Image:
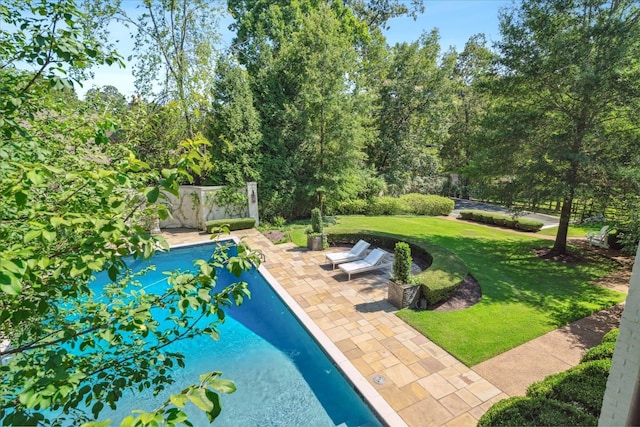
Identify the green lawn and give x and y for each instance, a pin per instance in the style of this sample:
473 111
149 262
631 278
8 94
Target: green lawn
574 230
523 296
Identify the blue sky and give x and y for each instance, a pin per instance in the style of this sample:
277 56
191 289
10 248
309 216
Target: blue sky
456 20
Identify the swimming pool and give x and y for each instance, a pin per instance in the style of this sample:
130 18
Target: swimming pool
283 377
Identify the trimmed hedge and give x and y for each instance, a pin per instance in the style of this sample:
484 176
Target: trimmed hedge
611 336
432 205
439 281
599 352
412 204
527 411
232 223
502 220
582 386
386 205
570 398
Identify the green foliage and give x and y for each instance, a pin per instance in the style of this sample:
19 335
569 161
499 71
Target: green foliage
563 136
422 204
523 224
582 386
386 205
611 336
402 262
317 225
233 199
233 126
73 205
279 222
534 412
231 224
599 352
352 207
411 105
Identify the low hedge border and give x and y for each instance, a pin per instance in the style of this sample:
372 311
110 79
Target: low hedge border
232 223
439 281
502 220
569 398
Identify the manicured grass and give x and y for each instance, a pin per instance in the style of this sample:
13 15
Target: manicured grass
574 230
523 296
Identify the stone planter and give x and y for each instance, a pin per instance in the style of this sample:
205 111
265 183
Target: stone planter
403 295
314 242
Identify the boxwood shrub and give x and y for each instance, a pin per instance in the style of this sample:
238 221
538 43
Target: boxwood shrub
352 207
535 411
611 336
599 352
582 386
523 224
446 270
386 205
233 223
422 204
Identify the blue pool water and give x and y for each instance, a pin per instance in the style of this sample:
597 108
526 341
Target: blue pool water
282 376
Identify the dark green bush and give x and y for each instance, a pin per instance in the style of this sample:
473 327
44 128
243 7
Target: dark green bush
534 411
402 263
233 224
599 352
525 224
422 204
510 222
316 221
611 336
466 215
582 386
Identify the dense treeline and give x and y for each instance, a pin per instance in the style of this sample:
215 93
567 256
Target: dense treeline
311 102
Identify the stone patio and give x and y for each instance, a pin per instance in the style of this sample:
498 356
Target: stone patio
424 384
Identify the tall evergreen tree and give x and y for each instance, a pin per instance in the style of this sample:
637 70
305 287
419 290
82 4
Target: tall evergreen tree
571 90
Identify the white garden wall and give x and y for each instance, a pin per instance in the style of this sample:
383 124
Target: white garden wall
198 204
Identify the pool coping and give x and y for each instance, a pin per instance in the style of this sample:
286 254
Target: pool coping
372 398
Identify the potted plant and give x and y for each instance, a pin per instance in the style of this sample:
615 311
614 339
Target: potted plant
401 292
316 239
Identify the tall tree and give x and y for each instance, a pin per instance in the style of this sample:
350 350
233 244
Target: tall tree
278 70
571 90
72 207
322 119
412 112
233 126
474 66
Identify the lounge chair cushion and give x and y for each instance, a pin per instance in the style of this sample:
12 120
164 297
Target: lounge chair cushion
372 261
356 253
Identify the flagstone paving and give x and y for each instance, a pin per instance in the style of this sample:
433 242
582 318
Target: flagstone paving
423 383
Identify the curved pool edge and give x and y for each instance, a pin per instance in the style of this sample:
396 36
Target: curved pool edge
372 398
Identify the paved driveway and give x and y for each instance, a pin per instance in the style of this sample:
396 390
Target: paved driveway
463 204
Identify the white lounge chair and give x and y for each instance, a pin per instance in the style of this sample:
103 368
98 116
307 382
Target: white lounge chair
356 253
599 239
373 261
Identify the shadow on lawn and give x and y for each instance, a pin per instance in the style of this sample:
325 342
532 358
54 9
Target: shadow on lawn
509 271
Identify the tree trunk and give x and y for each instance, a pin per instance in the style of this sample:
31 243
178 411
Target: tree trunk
560 245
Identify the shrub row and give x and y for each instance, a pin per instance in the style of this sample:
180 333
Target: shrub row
232 223
439 281
570 398
502 220
413 204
